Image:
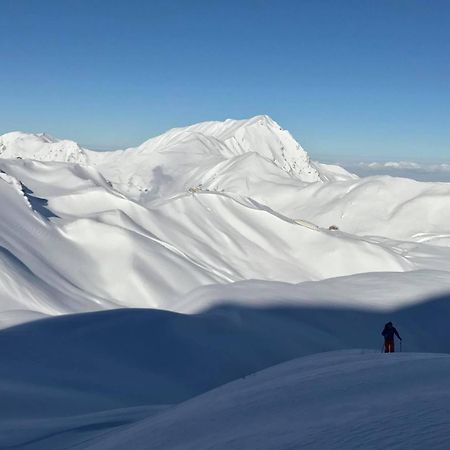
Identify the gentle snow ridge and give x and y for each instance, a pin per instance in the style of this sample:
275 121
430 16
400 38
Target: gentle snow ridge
345 400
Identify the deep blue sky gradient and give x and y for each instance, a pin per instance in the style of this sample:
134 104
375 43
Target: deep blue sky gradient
357 80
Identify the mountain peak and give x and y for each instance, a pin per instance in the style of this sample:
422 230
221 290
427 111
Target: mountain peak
182 157
40 146
14 136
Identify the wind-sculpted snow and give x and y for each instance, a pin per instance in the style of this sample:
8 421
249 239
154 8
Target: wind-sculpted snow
396 208
208 204
243 254
43 271
83 263
111 251
256 158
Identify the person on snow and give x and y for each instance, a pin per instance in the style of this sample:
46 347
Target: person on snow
388 333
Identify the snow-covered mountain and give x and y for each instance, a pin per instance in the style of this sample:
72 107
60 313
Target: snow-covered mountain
195 157
209 204
244 254
41 147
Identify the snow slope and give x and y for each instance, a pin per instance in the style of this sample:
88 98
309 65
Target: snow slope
330 401
66 379
209 204
222 228
375 291
73 263
396 208
72 232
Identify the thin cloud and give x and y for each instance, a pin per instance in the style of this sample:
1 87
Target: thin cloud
405 169
406 165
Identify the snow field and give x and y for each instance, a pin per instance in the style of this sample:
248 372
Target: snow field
349 400
222 227
115 252
106 364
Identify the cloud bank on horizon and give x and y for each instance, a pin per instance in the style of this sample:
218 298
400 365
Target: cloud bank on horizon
434 172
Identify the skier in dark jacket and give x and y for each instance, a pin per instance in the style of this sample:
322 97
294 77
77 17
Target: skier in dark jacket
388 333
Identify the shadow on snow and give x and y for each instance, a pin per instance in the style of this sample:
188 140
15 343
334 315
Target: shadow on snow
129 357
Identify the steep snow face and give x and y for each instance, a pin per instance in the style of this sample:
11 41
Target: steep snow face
85 262
263 136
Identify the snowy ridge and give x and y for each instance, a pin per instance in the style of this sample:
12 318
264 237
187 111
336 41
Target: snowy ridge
157 171
395 208
15 184
243 255
265 137
346 396
212 203
129 255
153 169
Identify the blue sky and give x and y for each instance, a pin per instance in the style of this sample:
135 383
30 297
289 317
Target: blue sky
351 80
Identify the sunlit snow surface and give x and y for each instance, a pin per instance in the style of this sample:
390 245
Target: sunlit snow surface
213 203
219 213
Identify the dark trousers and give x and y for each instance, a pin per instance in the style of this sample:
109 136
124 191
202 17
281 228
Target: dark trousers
389 346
